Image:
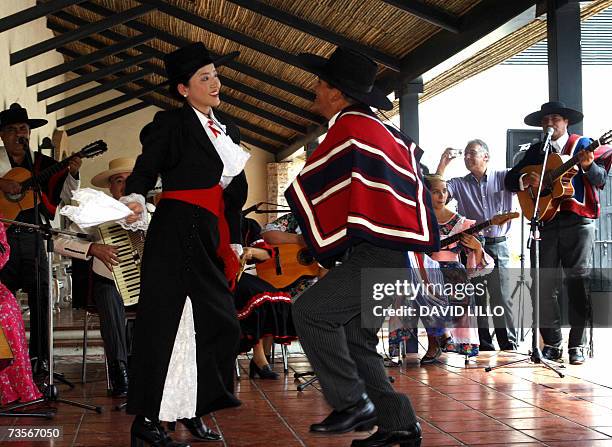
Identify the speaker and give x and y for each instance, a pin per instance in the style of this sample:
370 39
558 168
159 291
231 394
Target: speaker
517 141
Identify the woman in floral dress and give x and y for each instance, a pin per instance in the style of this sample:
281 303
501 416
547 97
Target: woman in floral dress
16 382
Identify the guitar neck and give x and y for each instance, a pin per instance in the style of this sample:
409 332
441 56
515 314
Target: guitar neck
559 171
48 172
455 237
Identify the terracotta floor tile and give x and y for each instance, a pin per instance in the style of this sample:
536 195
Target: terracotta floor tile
564 433
496 437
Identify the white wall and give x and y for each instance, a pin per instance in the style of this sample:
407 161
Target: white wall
13 82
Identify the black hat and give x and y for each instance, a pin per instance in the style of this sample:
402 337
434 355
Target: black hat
186 60
350 72
17 114
553 108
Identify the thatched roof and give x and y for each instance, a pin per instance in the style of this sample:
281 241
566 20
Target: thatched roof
266 91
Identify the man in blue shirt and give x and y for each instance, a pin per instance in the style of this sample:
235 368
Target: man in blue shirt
481 195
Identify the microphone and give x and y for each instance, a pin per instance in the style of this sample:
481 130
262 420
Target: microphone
251 208
550 131
23 140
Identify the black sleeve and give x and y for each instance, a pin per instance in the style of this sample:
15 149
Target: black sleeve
154 156
511 182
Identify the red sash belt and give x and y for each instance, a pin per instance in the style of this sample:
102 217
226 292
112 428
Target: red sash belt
211 199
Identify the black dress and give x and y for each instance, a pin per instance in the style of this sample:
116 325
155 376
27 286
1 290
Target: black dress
180 260
262 309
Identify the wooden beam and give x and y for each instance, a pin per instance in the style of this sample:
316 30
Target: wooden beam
229 34
482 19
177 41
73 83
435 16
106 118
102 106
80 61
315 30
35 12
79 33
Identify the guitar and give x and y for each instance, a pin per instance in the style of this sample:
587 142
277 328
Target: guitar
500 219
557 183
290 263
12 204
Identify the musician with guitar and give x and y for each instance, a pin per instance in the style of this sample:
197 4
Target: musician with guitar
480 195
105 294
15 127
569 202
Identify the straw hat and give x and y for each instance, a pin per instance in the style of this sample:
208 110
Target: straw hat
116 166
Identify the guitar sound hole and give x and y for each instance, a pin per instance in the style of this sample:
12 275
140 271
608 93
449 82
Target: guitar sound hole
14 197
305 258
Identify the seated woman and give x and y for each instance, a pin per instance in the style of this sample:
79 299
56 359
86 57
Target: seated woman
264 311
16 381
462 336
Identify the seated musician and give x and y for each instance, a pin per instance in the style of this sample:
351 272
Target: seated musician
462 336
16 382
264 311
105 295
566 239
18 273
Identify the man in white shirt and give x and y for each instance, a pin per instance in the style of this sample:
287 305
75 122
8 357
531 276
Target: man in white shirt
106 297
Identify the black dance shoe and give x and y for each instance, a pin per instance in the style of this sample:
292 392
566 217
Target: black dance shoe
576 355
146 433
119 379
405 438
197 428
265 372
360 417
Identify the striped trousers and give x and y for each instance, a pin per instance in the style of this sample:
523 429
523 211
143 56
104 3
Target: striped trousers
342 353
112 320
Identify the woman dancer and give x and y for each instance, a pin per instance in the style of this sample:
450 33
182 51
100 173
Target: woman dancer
187 331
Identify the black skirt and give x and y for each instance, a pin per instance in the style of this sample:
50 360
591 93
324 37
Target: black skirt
262 310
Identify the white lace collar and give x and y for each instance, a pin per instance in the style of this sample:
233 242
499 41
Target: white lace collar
233 156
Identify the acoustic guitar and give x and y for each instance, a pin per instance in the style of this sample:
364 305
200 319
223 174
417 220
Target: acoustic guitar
557 183
12 204
500 219
290 263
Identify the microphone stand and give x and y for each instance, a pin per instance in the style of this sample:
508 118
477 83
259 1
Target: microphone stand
533 244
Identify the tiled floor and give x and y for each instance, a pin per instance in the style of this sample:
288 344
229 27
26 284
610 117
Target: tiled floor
519 405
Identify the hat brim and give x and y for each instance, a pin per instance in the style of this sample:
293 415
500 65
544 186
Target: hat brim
102 180
535 119
36 123
317 65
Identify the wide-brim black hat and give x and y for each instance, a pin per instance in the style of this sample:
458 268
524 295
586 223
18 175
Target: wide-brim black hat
553 108
16 114
186 60
350 72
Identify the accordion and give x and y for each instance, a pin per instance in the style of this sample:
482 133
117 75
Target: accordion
130 245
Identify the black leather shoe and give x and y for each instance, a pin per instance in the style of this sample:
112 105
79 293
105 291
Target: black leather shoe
265 372
405 438
510 346
119 380
576 355
360 417
198 429
151 434
552 352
